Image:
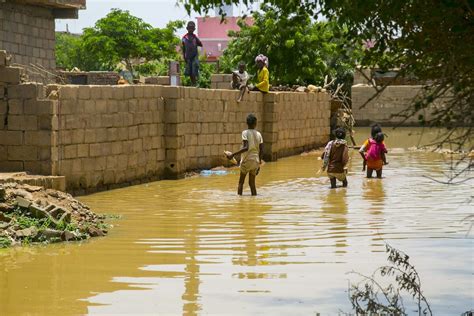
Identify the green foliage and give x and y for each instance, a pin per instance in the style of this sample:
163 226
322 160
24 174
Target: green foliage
25 221
118 37
300 51
122 37
71 52
153 68
5 242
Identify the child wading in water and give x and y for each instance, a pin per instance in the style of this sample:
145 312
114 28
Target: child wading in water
251 155
374 156
336 157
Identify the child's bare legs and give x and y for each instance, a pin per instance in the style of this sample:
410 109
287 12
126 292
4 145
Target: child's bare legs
241 183
379 173
253 188
241 94
369 172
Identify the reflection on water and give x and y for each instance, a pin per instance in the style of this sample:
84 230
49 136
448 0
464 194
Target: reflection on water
193 247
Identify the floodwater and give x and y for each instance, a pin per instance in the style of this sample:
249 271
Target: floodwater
193 247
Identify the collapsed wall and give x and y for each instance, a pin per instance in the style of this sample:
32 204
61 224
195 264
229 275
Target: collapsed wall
103 137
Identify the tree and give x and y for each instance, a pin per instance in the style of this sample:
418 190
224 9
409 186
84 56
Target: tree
429 39
300 51
70 53
121 37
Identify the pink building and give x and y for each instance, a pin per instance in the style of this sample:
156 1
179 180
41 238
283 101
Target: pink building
213 34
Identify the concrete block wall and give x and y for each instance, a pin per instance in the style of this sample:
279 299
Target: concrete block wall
28 129
383 109
103 137
299 121
221 81
110 135
27 32
213 121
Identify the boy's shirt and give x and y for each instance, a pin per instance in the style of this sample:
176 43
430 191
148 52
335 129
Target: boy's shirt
191 43
243 77
254 139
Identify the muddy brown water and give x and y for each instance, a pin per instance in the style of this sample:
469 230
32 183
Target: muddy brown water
193 247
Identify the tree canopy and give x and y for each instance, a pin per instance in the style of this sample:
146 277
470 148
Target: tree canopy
118 37
300 51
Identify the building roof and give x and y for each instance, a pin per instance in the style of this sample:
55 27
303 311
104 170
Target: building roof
215 28
56 4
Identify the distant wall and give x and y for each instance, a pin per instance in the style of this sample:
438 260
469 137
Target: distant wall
385 107
221 81
103 137
90 77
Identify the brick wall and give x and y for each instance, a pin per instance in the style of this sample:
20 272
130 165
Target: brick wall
102 137
383 109
27 32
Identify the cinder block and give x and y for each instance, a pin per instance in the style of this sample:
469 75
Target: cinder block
68 92
38 138
11 137
95 150
118 92
70 151
25 153
42 106
171 92
10 75
22 122
95 92
84 92
26 91
15 106
11 166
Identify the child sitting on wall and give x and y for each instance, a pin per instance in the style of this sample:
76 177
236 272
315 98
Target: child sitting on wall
239 80
251 155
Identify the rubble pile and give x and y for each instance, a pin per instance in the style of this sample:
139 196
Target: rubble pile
298 88
31 214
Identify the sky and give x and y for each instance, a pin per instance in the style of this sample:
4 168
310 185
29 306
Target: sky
155 12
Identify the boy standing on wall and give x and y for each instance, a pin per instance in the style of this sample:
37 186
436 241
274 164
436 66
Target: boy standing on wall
251 155
190 44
